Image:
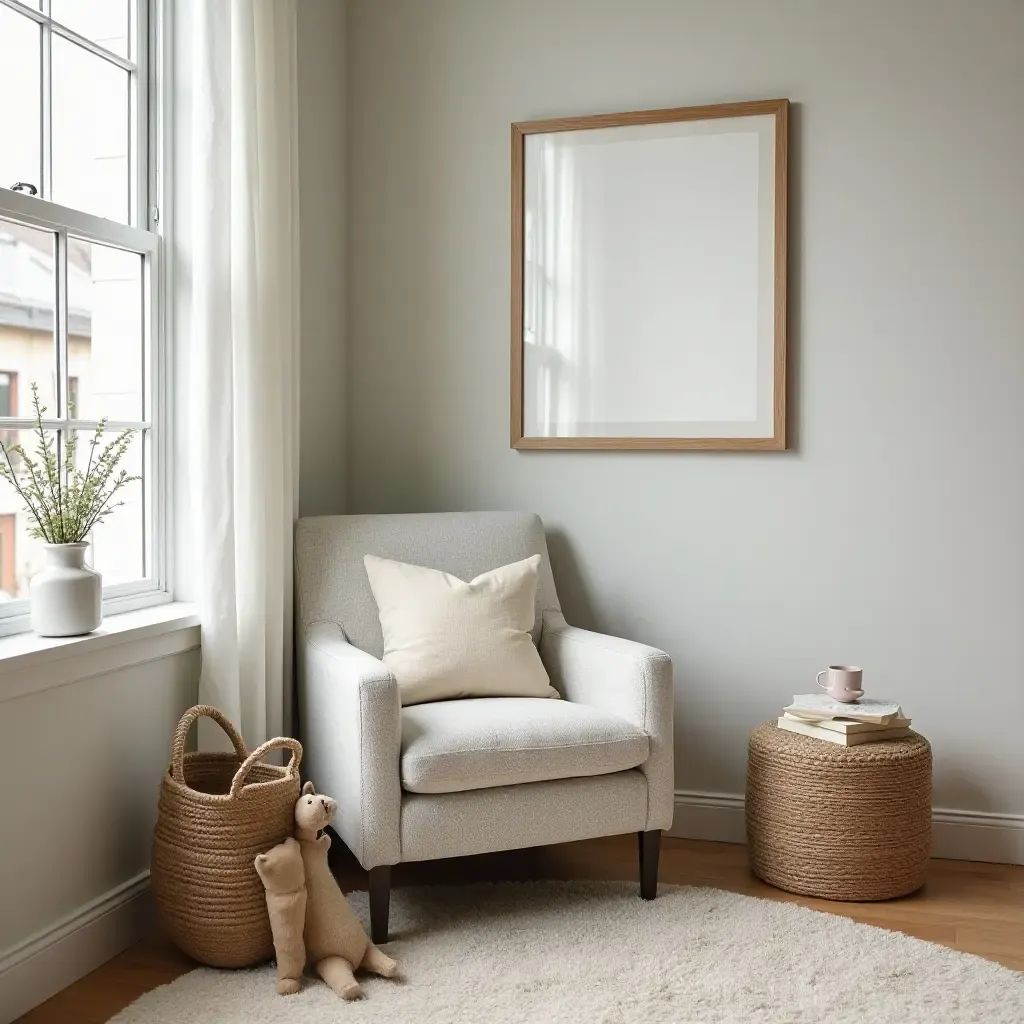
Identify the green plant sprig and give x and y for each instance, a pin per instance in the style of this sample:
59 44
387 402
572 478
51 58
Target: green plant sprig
65 502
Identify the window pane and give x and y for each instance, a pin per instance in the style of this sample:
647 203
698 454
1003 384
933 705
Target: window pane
104 331
19 99
100 21
118 541
27 299
21 554
90 132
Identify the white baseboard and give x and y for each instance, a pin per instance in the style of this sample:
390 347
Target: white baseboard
56 956
717 817
956 835
977 835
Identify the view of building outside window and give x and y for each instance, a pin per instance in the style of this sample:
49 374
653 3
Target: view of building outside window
91 167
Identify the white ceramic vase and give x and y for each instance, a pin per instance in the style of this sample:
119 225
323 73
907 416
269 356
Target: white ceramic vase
67 596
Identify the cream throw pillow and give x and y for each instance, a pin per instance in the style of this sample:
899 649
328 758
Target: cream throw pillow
444 638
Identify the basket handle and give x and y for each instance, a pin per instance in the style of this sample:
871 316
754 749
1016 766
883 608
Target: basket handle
280 743
190 716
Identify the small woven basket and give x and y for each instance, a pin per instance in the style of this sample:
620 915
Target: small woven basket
217 811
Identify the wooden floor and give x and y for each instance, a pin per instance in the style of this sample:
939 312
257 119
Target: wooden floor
977 908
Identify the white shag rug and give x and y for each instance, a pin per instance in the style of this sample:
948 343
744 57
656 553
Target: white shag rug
582 952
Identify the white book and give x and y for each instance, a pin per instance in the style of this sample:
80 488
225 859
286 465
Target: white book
853 739
819 706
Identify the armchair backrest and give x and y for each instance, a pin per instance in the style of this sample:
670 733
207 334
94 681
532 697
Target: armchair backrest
330 579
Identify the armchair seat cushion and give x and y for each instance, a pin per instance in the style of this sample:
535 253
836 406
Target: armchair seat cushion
457 745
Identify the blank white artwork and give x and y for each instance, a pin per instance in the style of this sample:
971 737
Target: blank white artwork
648 280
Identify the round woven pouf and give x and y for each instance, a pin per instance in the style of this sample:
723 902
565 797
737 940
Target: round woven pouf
840 823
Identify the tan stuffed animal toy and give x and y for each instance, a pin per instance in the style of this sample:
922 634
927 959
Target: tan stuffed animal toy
284 878
336 943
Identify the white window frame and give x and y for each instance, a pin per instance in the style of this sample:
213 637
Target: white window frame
149 138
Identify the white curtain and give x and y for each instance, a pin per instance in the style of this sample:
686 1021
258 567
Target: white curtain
244 358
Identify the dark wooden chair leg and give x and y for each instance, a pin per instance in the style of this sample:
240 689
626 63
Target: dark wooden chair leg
650 847
380 902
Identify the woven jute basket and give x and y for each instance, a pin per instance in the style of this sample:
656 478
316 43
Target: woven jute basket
840 823
217 812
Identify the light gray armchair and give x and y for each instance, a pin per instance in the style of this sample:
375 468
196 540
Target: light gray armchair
471 776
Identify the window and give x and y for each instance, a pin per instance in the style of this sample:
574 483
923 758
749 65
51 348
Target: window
8 394
80 287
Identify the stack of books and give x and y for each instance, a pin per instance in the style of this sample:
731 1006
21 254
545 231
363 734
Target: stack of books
865 721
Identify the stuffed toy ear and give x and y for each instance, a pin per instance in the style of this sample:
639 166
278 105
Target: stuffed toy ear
308 788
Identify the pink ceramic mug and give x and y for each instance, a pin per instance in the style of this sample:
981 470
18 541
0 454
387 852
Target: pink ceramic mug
844 682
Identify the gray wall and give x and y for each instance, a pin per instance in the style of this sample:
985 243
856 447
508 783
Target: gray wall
891 536
84 741
321 48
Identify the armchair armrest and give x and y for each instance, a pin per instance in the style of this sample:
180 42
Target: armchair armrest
352 732
626 679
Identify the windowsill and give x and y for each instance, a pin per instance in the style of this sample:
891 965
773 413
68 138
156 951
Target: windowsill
30 663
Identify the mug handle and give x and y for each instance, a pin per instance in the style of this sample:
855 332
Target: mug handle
817 678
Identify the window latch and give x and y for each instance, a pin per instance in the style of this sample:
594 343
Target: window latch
26 187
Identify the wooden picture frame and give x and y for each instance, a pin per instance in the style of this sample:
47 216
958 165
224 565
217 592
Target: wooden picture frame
741 145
